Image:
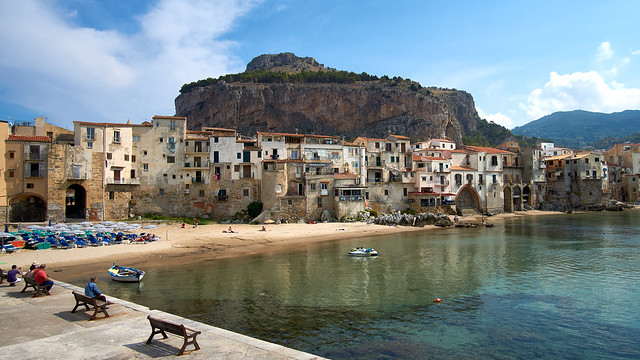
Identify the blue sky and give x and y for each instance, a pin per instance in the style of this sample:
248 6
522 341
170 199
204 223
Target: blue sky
111 61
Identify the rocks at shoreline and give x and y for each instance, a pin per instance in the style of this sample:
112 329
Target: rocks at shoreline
422 219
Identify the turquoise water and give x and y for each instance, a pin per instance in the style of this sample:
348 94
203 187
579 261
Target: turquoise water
551 287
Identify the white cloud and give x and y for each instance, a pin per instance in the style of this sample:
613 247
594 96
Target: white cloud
580 90
74 73
498 118
635 52
604 52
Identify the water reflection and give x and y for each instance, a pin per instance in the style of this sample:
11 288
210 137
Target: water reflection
531 286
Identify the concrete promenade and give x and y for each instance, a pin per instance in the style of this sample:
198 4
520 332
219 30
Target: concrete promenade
44 328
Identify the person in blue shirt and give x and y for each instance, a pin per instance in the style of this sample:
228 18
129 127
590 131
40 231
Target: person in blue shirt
92 291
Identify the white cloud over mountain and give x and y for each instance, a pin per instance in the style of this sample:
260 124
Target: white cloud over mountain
81 73
498 118
580 90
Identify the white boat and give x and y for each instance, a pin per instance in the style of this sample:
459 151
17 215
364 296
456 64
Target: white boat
125 274
360 251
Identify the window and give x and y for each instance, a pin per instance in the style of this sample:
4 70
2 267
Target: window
494 161
116 136
278 188
386 192
201 193
144 152
126 157
319 202
377 145
30 185
133 174
172 125
294 154
12 173
405 191
312 187
323 186
239 155
161 192
109 155
112 195
12 154
161 139
145 167
91 133
245 192
171 159
215 139
133 158
136 138
259 154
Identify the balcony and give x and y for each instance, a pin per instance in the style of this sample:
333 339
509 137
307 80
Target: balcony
351 198
29 156
222 198
198 180
112 181
374 180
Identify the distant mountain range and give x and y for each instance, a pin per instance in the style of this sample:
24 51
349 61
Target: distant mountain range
583 129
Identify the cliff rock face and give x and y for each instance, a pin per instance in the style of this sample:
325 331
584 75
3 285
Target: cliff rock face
360 109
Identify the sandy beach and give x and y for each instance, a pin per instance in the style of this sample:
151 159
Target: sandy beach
210 242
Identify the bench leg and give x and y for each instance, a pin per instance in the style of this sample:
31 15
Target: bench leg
78 303
99 310
154 332
187 342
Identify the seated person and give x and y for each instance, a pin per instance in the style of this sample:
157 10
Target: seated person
42 279
12 275
92 291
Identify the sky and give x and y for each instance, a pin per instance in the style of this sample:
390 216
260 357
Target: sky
119 60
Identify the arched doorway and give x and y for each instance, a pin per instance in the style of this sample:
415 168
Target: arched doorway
75 202
508 199
517 198
468 198
27 208
526 196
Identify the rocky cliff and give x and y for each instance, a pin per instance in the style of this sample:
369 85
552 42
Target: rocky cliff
362 108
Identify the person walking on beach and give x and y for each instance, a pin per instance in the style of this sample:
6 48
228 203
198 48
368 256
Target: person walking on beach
12 275
42 278
92 291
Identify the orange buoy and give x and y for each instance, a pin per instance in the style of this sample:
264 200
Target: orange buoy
437 300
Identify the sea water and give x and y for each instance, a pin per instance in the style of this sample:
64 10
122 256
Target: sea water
546 287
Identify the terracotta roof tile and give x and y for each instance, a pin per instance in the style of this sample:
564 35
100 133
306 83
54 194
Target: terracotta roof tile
29 138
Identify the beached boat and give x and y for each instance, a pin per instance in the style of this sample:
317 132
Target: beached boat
125 274
360 251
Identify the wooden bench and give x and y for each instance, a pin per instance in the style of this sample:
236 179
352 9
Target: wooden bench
98 305
159 326
39 289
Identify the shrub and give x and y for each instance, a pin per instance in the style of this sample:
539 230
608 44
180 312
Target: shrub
254 209
372 213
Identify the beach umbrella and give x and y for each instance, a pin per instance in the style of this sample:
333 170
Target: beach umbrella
108 223
6 234
150 227
33 227
86 223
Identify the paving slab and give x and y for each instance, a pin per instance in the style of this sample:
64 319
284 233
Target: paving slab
44 328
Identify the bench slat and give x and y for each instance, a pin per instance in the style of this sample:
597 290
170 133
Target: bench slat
173 328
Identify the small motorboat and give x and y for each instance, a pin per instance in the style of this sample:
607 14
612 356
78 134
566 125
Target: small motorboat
360 251
125 274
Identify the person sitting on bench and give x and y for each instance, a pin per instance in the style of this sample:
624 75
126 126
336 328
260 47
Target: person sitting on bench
42 278
12 275
92 291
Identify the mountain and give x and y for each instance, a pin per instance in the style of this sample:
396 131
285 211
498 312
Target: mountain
582 129
286 93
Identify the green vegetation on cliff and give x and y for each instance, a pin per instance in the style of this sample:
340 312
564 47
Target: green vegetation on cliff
488 133
307 77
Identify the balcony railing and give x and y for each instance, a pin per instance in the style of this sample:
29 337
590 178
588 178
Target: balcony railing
122 181
351 198
374 180
222 197
198 180
29 156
